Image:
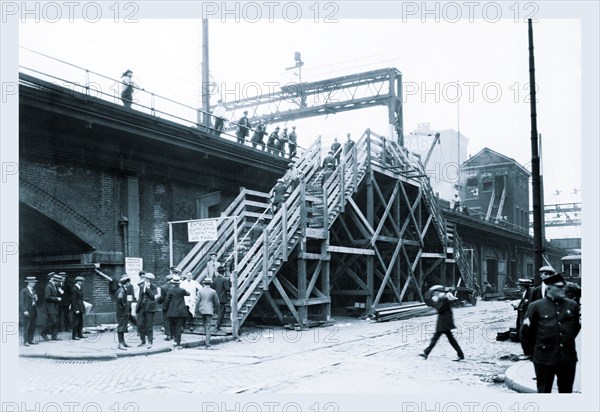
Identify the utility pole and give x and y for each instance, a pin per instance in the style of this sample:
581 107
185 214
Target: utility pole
535 168
205 74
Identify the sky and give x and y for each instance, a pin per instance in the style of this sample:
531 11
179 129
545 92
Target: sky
487 62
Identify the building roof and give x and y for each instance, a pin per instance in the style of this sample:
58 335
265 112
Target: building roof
492 158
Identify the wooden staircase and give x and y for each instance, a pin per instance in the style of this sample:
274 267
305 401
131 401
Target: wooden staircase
308 212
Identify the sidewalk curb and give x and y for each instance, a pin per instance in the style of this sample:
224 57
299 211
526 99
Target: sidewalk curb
515 382
115 354
71 356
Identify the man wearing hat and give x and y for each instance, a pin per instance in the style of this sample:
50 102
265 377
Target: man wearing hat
77 308
146 308
176 309
28 310
123 310
191 285
163 291
273 137
208 302
280 142
539 292
292 142
243 128
548 334
127 92
211 267
442 301
64 313
221 285
329 159
525 286
335 150
257 230
51 299
260 130
327 172
219 115
278 195
348 144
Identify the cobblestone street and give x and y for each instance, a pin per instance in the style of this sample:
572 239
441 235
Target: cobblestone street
351 356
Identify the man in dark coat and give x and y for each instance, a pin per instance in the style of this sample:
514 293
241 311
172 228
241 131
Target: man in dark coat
272 140
521 308
257 230
164 290
123 310
336 150
221 285
77 308
328 171
548 334
64 313
445 322
258 136
52 300
348 144
28 310
146 308
329 159
278 195
176 309
243 128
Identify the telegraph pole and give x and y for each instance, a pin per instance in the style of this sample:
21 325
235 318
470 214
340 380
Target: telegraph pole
535 168
205 73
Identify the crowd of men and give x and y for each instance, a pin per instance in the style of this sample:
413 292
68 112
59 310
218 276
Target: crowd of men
181 301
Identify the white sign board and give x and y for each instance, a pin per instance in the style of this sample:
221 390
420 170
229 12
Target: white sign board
133 266
205 229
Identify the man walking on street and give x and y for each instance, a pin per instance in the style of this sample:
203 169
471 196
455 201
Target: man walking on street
442 301
146 308
221 285
77 308
176 310
28 311
548 335
208 302
192 286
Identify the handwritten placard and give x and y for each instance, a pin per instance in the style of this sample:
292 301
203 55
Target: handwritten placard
201 230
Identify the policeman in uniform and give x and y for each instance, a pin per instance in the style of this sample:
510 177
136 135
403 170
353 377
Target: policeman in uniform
548 335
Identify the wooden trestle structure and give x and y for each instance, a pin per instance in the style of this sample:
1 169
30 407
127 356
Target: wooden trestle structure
371 234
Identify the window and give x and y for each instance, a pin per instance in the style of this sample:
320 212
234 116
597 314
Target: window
486 184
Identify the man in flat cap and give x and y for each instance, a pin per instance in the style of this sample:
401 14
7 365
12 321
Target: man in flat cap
442 301
28 310
211 266
525 290
539 292
221 285
548 334
64 313
163 290
123 310
278 195
77 308
146 308
243 128
51 299
208 303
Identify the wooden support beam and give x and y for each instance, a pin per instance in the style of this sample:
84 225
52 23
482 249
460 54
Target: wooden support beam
349 250
286 299
387 275
386 212
271 301
303 303
351 292
313 278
